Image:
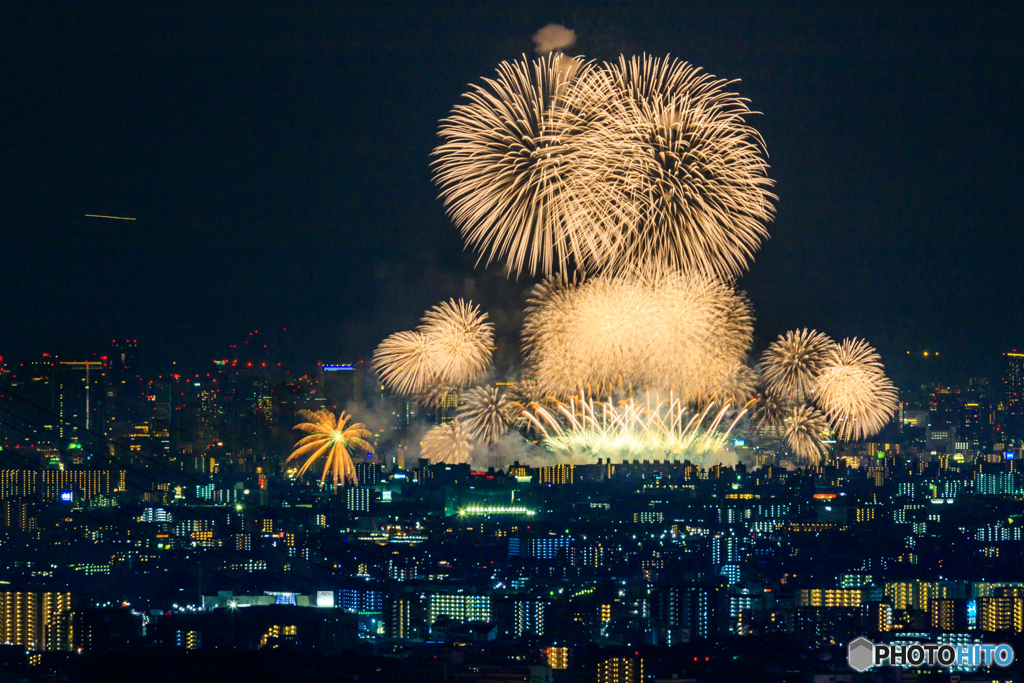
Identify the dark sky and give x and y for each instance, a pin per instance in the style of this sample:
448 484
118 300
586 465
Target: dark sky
277 162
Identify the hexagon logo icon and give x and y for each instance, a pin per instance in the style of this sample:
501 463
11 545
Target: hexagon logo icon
861 654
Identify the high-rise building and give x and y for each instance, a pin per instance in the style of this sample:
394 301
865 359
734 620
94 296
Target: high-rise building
1001 615
558 658
556 474
724 549
458 607
340 385
1011 419
528 618
37 620
620 670
357 499
17 483
80 397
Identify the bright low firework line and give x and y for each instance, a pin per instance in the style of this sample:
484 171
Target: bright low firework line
655 427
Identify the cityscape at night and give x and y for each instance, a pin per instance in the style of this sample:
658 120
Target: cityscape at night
491 345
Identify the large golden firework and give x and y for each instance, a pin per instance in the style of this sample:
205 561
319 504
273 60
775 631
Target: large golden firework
333 438
791 364
516 174
687 332
853 391
692 169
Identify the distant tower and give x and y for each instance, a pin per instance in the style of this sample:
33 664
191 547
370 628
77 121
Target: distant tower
1012 421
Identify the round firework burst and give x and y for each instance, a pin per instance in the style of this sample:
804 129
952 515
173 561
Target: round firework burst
791 364
447 444
693 170
559 366
805 429
515 176
769 412
687 332
702 332
485 414
854 392
403 362
460 341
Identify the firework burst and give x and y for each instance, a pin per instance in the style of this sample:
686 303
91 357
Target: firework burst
334 438
403 363
792 363
769 413
853 391
652 427
685 332
692 169
485 414
447 444
515 174
460 341
804 430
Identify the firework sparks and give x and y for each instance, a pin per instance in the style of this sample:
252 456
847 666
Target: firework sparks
792 363
653 427
334 438
514 173
485 414
449 350
460 341
693 169
447 444
853 391
687 332
804 431
403 363
769 413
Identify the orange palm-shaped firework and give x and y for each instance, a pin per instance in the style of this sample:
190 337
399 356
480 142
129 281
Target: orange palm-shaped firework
334 438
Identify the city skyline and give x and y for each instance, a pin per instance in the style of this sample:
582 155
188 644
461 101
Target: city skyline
513 343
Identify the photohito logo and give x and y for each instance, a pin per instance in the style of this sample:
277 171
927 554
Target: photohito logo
862 654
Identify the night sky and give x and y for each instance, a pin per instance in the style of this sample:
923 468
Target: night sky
277 161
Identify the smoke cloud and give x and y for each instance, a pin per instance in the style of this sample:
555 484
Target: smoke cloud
553 37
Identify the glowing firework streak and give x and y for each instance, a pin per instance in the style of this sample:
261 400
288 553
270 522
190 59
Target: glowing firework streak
630 427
